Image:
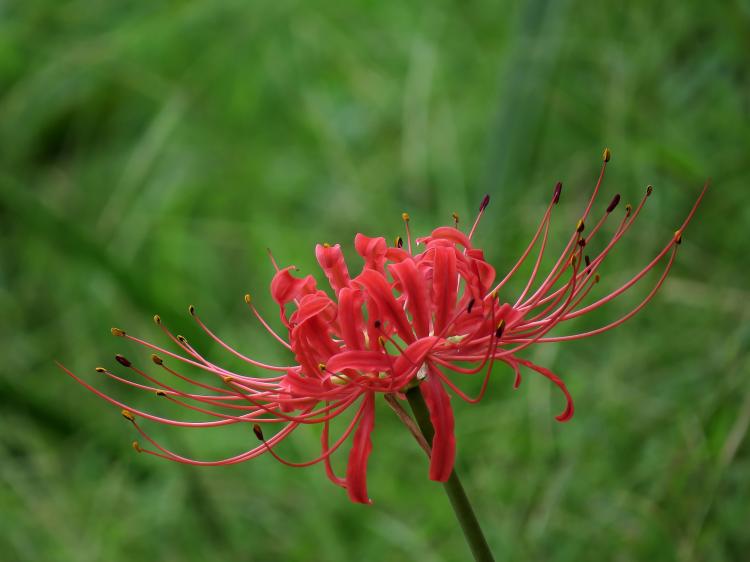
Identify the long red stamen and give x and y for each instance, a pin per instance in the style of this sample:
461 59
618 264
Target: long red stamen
482 207
282 341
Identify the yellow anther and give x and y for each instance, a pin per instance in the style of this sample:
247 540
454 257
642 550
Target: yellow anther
574 260
381 341
117 332
137 447
580 226
455 217
607 155
678 237
248 298
101 370
157 319
649 190
127 415
405 216
326 245
322 366
228 380
191 310
156 359
181 339
161 393
628 209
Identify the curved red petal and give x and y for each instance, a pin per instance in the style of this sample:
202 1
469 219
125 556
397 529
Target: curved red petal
412 284
372 250
311 306
285 288
444 286
412 358
379 289
356 469
331 260
452 235
350 319
368 361
441 415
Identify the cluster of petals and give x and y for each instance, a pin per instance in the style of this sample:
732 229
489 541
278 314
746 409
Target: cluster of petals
418 315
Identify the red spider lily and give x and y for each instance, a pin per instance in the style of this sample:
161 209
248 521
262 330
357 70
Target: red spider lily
408 319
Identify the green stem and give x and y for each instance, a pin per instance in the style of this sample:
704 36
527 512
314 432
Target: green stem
456 494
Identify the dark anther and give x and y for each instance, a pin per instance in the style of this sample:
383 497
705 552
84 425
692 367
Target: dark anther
377 324
471 305
558 191
122 360
258 432
613 204
485 202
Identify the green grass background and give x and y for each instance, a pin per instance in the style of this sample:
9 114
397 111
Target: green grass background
151 151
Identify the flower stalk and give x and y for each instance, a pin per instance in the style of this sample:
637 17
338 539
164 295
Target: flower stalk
456 494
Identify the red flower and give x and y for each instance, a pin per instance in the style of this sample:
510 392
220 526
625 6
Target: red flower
408 318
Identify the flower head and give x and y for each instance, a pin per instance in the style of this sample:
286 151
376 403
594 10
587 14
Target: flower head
421 314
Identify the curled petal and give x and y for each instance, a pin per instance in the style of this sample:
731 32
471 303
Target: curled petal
444 286
356 470
396 254
372 250
312 345
331 260
452 235
350 318
483 271
441 415
286 288
412 284
379 289
368 361
314 305
412 358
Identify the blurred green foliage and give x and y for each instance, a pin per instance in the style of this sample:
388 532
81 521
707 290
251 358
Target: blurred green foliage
150 153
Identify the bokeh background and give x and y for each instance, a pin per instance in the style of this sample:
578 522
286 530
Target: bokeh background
150 153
